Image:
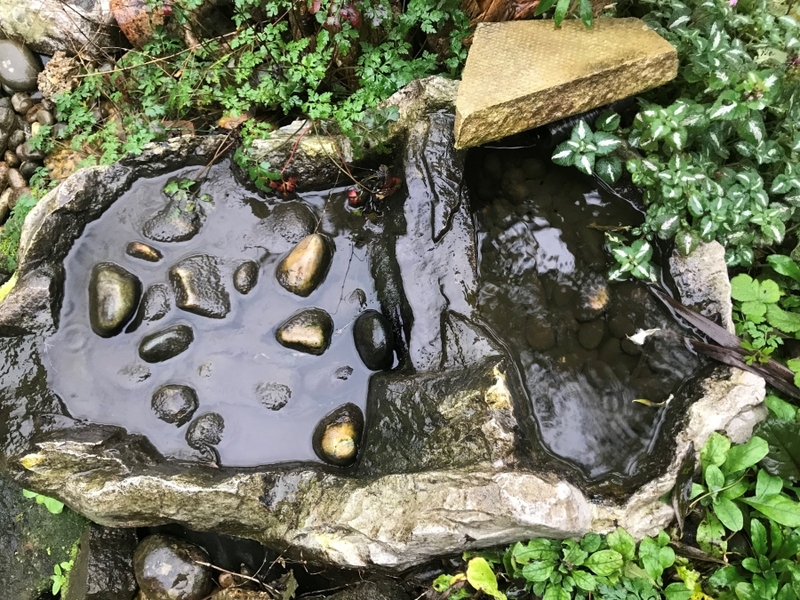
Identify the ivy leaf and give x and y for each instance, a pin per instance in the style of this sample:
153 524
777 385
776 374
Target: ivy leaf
608 168
482 578
783 438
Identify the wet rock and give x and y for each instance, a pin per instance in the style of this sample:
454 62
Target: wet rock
594 299
143 251
28 168
205 432
19 67
166 343
563 295
175 404
155 302
273 395
21 102
343 373
591 334
103 568
306 266
628 347
26 153
621 326
539 333
198 287
113 296
180 220
11 159
374 341
15 179
16 138
286 226
338 435
166 569
368 590
308 330
245 277
45 117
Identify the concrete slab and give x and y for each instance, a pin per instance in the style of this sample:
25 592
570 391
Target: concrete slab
523 74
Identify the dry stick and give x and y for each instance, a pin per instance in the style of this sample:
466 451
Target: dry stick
266 586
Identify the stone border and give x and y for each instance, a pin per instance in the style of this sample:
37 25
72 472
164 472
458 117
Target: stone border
392 521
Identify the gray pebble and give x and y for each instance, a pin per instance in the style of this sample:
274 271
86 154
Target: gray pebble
21 102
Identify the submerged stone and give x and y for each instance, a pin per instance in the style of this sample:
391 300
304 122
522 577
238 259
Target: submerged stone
198 287
178 221
113 296
167 569
204 433
550 73
305 267
372 333
337 437
245 277
175 404
143 251
166 343
155 302
273 395
307 331
286 226
19 67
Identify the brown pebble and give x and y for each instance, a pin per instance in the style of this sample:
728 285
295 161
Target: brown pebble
45 117
143 251
30 114
3 175
15 179
11 159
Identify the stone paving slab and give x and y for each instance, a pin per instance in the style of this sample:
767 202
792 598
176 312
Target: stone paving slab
523 74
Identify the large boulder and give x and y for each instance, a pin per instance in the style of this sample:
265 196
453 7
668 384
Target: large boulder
448 461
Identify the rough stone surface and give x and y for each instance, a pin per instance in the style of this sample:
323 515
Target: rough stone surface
702 281
83 27
245 277
32 540
175 404
522 74
390 519
417 99
166 569
198 287
103 568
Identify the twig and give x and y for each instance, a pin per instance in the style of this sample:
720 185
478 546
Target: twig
267 587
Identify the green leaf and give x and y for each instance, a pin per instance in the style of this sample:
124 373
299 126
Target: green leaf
608 121
584 162
780 408
758 536
538 570
564 155
711 535
581 132
767 484
744 288
606 143
781 509
585 12
555 592
784 266
621 541
605 562
786 321
715 479
584 580
608 168
482 578
686 241
729 514
769 292
783 438
591 542
543 7
743 456
677 591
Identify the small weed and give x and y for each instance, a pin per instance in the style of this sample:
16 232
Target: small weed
54 506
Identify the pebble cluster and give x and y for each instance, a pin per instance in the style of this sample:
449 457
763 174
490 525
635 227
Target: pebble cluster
197 286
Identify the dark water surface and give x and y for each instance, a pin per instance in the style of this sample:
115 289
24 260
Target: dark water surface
543 291
105 381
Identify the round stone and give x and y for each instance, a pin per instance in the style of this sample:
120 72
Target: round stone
286 226
166 343
19 67
205 430
21 102
372 333
591 334
175 404
621 326
11 159
245 277
338 435
28 168
167 568
308 330
198 287
594 299
273 395
45 117
305 267
155 302
113 296
539 333
143 251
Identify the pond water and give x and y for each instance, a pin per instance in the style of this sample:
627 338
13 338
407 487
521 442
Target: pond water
235 365
543 291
